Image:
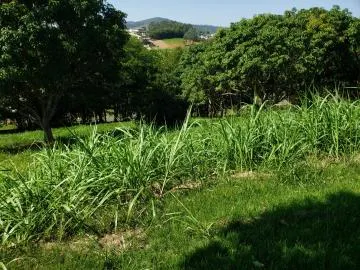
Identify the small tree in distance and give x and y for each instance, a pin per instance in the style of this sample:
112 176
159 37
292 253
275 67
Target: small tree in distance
192 34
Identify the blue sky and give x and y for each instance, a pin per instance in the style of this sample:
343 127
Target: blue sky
219 12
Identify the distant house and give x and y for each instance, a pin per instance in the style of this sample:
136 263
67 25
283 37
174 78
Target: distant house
139 33
206 36
142 31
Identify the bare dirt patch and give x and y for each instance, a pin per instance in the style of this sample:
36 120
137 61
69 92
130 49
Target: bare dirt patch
323 162
117 242
187 185
156 188
122 240
249 175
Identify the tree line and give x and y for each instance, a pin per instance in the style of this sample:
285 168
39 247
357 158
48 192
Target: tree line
273 57
172 29
66 61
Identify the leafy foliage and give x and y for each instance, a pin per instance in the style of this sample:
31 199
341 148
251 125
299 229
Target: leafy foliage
192 34
54 48
64 191
273 57
149 87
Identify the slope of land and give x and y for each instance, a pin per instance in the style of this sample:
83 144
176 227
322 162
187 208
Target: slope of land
171 43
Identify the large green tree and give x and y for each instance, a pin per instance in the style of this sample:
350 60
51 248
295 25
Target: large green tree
54 48
150 86
273 57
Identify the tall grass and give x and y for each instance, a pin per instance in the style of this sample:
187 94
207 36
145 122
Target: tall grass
68 189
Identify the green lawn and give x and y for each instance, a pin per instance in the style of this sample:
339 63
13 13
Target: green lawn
235 222
178 42
7 127
272 189
19 147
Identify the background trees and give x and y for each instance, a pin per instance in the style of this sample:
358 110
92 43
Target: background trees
65 60
273 57
149 87
168 29
192 34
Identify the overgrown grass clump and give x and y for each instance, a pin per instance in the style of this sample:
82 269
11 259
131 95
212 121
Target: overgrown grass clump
105 180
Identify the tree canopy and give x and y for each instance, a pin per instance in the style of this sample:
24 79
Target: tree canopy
52 49
64 60
273 57
149 85
192 34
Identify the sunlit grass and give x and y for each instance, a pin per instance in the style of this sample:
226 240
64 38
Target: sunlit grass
176 42
248 165
20 147
259 219
7 127
13 140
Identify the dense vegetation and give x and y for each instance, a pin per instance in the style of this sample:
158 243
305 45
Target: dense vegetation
272 57
70 186
165 29
268 57
261 176
102 183
57 50
76 78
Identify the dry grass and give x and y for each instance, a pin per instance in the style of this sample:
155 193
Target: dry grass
116 242
169 43
250 175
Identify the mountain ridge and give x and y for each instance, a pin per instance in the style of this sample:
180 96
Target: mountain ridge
145 23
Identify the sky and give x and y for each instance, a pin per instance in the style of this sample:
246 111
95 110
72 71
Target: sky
219 12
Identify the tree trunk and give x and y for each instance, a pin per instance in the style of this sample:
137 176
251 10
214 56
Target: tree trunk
48 135
209 108
116 113
100 116
257 99
41 113
48 112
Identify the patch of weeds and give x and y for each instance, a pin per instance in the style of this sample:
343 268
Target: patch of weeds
301 173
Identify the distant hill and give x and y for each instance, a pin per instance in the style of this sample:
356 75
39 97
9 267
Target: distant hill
145 23
206 28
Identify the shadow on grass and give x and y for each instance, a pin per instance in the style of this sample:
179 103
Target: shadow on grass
10 131
15 149
305 235
35 146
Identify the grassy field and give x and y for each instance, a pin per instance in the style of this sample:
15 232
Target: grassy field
175 41
20 147
273 189
7 127
256 221
170 43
